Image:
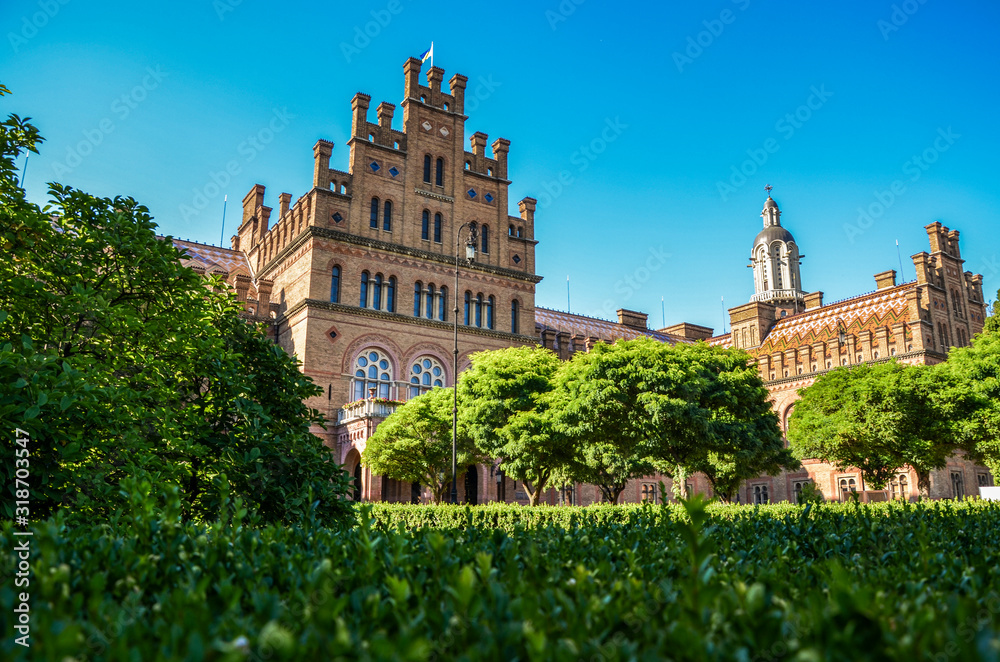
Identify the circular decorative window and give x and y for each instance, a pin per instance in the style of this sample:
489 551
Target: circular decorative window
425 373
372 370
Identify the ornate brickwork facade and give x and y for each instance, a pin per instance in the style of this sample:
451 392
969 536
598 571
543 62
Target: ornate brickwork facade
357 280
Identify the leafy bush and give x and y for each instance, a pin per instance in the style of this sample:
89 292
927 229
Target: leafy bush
119 362
871 582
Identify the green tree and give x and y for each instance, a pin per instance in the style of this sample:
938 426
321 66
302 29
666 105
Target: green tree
746 430
877 418
639 404
972 392
504 405
597 404
414 444
118 361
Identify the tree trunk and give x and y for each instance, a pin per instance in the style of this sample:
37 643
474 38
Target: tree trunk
680 482
535 493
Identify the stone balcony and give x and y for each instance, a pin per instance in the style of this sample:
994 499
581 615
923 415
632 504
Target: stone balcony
367 408
778 295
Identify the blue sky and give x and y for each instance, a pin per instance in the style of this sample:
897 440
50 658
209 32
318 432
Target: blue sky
830 102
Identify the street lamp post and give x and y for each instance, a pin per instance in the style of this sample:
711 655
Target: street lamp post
842 337
470 255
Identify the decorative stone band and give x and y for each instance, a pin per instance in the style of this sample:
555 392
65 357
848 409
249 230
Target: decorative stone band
407 319
435 196
813 375
337 235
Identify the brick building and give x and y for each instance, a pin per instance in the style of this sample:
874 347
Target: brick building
357 278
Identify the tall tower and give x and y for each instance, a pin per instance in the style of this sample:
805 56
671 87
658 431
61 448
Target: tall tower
775 260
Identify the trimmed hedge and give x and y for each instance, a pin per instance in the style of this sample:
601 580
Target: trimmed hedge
879 582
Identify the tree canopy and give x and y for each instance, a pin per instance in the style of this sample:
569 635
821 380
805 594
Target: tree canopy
878 418
636 405
118 361
414 443
506 411
972 376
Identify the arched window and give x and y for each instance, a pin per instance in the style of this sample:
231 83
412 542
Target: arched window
372 370
387 216
510 230
425 373
429 303
484 232
520 231
760 494
479 310
427 168
443 304
439 172
515 314
377 292
390 294
437 228
335 285
847 487
489 311
425 225
417 290
374 220
364 290
468 304
778 271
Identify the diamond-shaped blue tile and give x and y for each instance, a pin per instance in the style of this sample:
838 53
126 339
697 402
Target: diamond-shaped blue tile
472 192
337 218
517 259
394 171
375 166
488 197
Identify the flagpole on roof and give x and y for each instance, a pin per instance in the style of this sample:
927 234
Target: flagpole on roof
222 235
723 314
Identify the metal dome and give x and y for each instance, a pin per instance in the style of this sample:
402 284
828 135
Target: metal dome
771 234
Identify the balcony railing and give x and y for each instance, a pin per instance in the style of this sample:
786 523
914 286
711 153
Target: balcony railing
368 408
770 295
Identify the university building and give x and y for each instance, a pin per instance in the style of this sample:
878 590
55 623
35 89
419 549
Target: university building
357 278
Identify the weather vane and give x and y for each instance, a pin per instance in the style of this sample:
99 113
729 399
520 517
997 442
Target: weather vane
768 188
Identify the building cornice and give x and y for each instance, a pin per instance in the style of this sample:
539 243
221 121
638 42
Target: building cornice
337 235
814 375
434 196
404 319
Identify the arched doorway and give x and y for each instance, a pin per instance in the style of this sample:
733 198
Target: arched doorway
472 486
415 491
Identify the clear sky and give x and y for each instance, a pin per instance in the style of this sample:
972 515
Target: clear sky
645 112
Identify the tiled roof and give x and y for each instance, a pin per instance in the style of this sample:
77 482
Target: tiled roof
725 340
865 312
213 257
596 327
